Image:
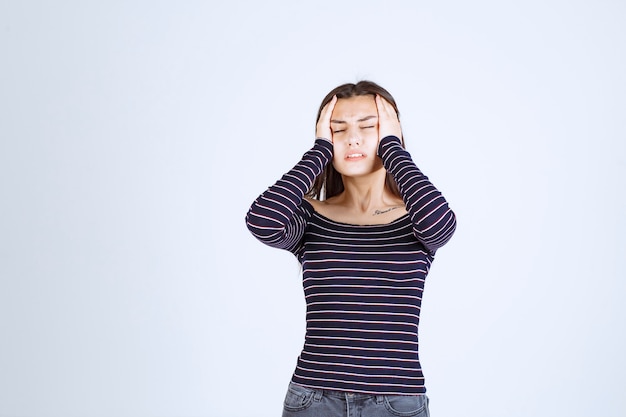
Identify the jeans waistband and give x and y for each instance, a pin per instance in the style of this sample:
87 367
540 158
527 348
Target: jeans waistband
344 395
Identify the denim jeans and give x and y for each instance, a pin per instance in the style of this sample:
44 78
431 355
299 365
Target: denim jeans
306 402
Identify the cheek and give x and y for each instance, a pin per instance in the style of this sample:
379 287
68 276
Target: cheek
339 145
372 139
371 134
337 164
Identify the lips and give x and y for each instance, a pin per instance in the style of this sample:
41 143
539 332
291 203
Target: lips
355 156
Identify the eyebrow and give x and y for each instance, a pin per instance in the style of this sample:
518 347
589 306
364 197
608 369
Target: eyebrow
364 119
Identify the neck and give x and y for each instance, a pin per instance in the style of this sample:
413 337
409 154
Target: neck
366 194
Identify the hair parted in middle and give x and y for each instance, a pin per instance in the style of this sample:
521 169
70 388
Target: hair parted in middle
329 183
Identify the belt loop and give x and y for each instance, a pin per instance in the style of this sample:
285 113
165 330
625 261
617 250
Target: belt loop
318 394
380 399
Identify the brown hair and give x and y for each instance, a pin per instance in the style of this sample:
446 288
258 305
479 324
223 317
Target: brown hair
329 182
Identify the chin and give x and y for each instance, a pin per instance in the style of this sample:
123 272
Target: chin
357 173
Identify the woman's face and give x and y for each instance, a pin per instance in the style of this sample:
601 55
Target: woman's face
354 124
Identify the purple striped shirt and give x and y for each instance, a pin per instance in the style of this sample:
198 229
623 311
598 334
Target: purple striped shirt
363 284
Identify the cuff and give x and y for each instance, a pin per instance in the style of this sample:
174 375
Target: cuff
386 141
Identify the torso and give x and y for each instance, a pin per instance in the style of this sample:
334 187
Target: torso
363 286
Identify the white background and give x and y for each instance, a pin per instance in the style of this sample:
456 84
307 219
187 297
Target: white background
134 136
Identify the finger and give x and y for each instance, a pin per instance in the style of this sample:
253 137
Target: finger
379 105
387 107
383 109
388 122
327 111
323 129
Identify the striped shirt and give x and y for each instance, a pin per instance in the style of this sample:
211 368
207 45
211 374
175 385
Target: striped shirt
363 284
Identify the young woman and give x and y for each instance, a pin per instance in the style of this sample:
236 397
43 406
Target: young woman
365 223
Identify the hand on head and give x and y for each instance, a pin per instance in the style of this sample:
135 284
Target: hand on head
388 123
323 130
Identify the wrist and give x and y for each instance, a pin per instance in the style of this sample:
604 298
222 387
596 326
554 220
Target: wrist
386 141
323 138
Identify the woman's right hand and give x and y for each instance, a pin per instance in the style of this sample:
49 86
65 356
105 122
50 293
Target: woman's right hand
322 129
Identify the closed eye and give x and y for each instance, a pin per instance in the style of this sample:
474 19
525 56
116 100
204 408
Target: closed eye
339 131
367 127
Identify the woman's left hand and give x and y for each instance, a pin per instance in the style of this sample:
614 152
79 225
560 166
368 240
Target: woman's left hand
388 123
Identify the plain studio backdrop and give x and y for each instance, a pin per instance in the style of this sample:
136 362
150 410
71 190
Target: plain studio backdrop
135 135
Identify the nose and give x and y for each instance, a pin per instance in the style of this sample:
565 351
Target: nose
354 140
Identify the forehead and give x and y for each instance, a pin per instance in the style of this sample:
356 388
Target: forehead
354 108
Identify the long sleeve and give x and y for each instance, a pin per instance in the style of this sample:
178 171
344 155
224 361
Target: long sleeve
277 217
433 221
